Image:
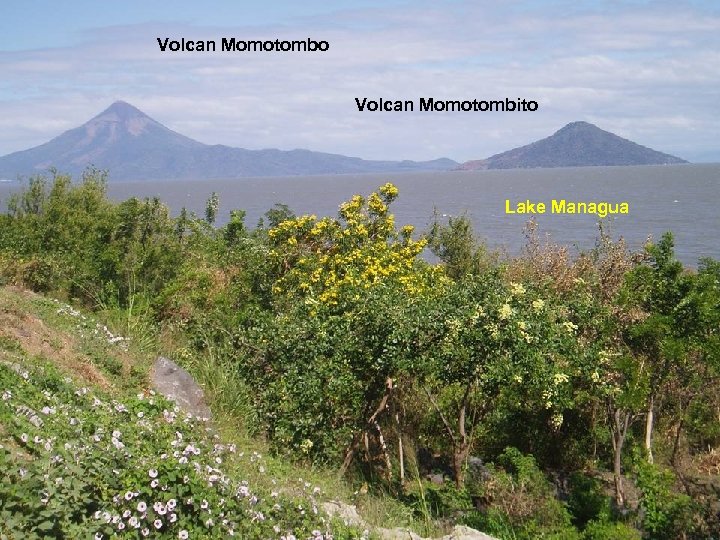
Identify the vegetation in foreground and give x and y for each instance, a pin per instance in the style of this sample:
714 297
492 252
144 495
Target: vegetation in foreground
88 451
544 396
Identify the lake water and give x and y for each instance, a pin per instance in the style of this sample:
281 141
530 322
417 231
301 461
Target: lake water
681 198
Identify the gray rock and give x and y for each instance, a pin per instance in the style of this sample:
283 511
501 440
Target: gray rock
437 479
176 384
346 512
460 532
349 515
398 534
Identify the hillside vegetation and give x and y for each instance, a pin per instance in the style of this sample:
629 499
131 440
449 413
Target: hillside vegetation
545 396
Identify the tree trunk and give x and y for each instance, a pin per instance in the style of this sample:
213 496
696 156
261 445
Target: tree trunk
358 437
617 474
401 455
462 446
460 441
460 456
619 423
649 421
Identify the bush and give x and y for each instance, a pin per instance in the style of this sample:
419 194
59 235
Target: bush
586 500
76 463
606 530
522 503
666 514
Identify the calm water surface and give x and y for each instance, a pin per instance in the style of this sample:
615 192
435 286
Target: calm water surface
681 198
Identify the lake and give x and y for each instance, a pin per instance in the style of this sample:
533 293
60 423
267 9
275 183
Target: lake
681 198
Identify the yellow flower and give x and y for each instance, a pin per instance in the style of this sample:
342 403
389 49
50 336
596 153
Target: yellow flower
517 289
570 327
389 191
505 312
538 304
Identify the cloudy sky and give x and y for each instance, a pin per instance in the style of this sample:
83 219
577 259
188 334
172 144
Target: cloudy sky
648 71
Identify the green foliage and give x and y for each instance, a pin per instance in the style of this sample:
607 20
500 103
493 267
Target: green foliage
82 463
666 514
456 246
610 530
521 503
586 500
438 501
211 208
338 342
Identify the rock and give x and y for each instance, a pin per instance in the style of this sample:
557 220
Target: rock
349 515
398 534
460 532
346 512
176 384
437 479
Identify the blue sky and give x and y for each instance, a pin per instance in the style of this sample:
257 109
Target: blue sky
648 71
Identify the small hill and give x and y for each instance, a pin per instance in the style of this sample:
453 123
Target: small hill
133 146
578 144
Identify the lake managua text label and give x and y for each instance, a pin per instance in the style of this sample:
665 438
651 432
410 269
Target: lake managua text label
431 104
241 45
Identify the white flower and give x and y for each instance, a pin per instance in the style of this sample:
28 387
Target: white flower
145 532
98 536
154 483
129 496
183 535
157 523
141 506
153 473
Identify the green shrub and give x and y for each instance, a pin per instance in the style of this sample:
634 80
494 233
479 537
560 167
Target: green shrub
586 500
75 463
521 503
666 514
607 530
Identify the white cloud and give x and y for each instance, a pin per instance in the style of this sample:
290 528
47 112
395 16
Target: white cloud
650 73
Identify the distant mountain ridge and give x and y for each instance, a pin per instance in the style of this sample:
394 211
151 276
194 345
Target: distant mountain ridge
133 146
578 144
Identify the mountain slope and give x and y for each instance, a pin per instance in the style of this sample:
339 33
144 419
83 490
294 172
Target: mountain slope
133 146
578 144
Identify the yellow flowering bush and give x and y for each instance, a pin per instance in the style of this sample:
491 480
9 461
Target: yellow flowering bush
329 262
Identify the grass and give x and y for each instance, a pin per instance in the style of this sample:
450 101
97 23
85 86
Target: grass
59 359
